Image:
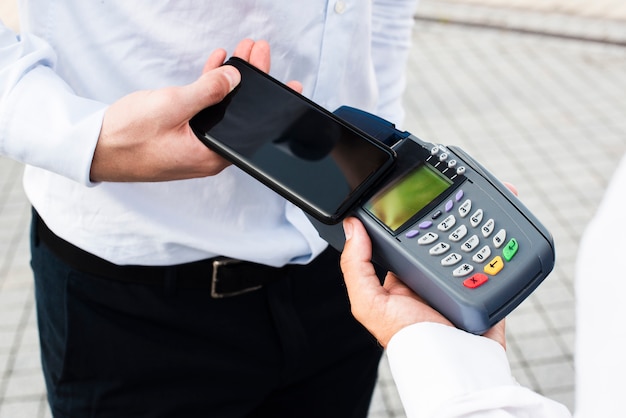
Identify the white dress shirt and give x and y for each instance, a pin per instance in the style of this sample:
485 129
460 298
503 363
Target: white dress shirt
441 371
74 57
600 309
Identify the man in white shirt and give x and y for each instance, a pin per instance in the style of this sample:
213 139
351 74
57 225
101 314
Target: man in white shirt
167 284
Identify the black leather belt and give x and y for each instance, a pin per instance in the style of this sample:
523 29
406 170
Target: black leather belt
224 276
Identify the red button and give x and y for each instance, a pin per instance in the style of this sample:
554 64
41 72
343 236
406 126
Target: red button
476 280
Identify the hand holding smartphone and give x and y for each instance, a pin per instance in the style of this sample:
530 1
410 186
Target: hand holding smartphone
292 145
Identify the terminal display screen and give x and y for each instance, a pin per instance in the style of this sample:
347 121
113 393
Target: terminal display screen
398 203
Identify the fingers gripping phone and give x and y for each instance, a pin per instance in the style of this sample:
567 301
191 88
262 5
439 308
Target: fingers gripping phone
292 145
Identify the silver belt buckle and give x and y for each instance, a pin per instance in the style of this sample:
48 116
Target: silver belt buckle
222 262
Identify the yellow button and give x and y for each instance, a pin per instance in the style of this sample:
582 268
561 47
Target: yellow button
340 7
494 266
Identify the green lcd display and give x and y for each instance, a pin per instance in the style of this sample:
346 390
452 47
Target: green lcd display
402 200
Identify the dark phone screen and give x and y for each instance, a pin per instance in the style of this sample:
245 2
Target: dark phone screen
291 144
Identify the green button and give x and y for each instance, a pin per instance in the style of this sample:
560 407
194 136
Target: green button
510 249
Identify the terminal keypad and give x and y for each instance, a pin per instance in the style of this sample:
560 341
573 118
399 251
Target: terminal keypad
467 241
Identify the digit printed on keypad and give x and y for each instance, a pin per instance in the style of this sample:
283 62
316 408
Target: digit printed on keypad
458 234
476 218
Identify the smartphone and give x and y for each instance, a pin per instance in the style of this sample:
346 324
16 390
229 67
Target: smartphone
292 145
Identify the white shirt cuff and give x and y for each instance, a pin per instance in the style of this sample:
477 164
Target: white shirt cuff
433 363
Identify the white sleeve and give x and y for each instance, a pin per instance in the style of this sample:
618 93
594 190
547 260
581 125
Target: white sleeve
42 122
392 25
600 309
442 371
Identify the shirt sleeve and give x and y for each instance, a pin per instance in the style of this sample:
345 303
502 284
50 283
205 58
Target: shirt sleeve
600 310
43 123
392 25
441 371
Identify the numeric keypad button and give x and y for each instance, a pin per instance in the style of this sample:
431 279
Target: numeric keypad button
465 208
451 259
429 238
488 227
447 224
476 218
458 234
439 249
482 255
470 244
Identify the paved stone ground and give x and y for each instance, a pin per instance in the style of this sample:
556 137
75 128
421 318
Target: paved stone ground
534 94
596 9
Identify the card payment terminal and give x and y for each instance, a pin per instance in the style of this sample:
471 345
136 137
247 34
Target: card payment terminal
449 229
439 220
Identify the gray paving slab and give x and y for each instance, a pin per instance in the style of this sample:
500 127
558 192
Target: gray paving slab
611 10
543 111
597 20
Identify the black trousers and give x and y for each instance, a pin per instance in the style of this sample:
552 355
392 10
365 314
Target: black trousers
117 349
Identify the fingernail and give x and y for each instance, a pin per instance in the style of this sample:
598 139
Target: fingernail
347 229
233 76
